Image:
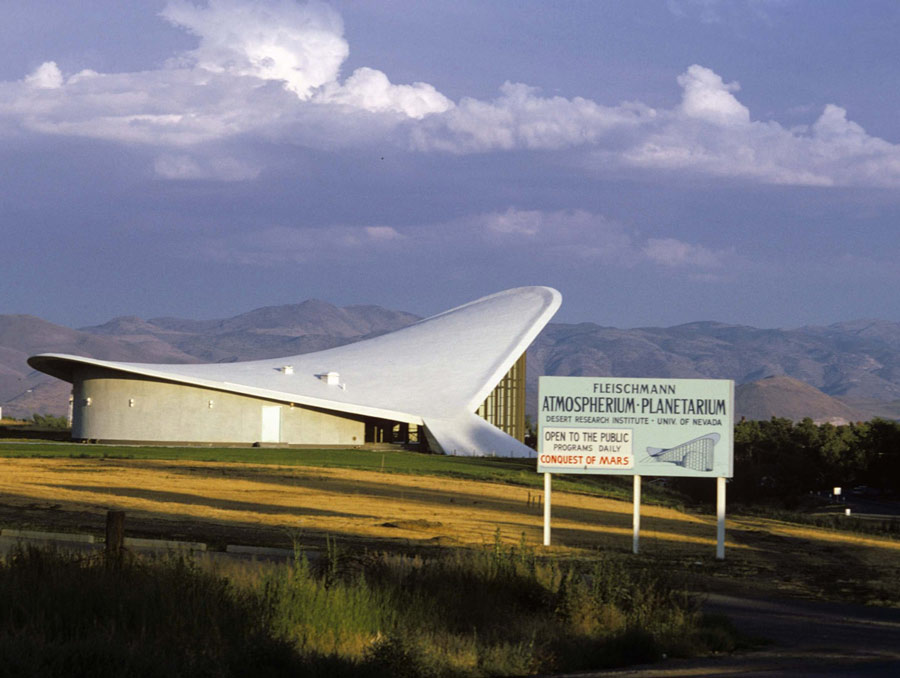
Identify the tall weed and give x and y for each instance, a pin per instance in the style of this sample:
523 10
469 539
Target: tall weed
69 615
498 610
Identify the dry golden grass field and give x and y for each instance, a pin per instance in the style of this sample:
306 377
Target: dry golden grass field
237 503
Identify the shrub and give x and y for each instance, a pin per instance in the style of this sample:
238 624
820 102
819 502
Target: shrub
49 421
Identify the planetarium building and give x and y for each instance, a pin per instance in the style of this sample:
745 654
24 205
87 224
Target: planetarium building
454 382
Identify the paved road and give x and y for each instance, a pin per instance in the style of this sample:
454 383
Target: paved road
876 507
806 639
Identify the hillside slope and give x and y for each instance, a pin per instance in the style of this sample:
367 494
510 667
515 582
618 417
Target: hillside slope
792 399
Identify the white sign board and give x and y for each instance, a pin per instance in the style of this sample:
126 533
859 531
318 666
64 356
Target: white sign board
648 427
597 449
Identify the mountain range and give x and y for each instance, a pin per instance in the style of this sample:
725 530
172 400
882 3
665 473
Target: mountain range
841 372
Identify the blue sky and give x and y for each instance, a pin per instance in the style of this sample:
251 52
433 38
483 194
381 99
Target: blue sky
657 162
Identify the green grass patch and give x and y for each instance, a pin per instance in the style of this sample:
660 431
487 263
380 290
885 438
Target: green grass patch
497 611
522 472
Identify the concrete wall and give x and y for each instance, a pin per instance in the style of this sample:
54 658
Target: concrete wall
111 405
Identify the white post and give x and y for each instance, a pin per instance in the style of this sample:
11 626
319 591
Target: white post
546 509
720 518
636 519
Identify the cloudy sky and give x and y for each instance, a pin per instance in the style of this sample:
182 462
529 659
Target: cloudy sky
658 162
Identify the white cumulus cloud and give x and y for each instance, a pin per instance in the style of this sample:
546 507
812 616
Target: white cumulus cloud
299 45
45 76
521 118
269 71
262 69
711 133
370 90
708 98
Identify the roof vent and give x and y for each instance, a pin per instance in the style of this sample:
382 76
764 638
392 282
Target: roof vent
287 369
332 379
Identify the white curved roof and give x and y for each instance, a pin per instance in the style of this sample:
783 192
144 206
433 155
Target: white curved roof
436 372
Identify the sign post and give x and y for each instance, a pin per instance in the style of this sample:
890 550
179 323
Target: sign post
636 518
720 518
547 481
638 427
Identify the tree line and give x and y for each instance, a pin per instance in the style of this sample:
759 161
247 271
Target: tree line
779 461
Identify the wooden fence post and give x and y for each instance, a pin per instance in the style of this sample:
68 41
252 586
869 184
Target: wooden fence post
115 538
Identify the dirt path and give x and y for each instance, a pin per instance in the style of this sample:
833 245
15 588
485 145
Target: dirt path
805 639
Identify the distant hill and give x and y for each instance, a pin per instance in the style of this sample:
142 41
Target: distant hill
792 399
852 368
263 333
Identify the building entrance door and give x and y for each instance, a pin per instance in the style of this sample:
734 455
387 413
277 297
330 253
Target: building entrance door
271 424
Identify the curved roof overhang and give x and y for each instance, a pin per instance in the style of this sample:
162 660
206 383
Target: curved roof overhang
437 370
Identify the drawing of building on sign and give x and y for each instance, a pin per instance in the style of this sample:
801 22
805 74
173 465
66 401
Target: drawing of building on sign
697 454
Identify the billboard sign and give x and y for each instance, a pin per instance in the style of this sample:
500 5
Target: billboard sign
647 427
